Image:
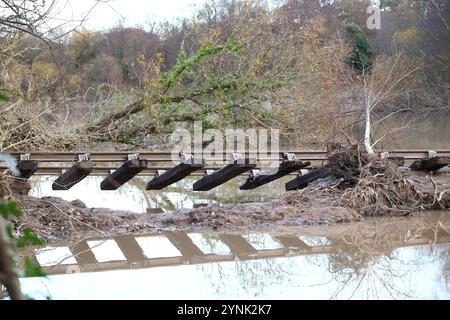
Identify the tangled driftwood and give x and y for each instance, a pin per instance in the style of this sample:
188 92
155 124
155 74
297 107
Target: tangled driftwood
374 186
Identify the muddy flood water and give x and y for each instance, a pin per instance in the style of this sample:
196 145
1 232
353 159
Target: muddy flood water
382 258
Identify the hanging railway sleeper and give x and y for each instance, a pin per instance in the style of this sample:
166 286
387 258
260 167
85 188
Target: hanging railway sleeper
168 168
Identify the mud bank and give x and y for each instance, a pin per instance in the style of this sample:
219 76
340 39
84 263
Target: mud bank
55 219
317 204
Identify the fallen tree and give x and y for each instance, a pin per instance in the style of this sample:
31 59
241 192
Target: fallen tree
246 69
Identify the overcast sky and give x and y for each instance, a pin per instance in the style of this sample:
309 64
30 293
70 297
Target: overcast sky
105 14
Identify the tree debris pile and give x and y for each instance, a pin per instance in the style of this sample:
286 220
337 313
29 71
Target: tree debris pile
382 195
376 186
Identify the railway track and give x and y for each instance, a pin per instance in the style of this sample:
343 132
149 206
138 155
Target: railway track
165 156
167 168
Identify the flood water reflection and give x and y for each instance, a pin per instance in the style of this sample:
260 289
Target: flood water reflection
403 258
133 196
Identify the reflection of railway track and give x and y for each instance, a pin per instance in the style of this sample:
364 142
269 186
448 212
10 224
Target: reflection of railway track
239 247
120 167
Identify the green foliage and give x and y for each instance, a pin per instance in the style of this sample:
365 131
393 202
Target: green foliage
389 4
3 96
208 123
11 209
31 270
362 55
184 65
27 238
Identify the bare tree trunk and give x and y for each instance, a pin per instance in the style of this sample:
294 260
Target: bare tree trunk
7 274
367 142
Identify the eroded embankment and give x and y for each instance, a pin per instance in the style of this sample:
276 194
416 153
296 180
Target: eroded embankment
343 198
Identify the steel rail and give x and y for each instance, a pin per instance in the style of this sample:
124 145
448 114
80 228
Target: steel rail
161 156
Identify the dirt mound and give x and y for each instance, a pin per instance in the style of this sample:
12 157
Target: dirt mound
248 215
54 218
